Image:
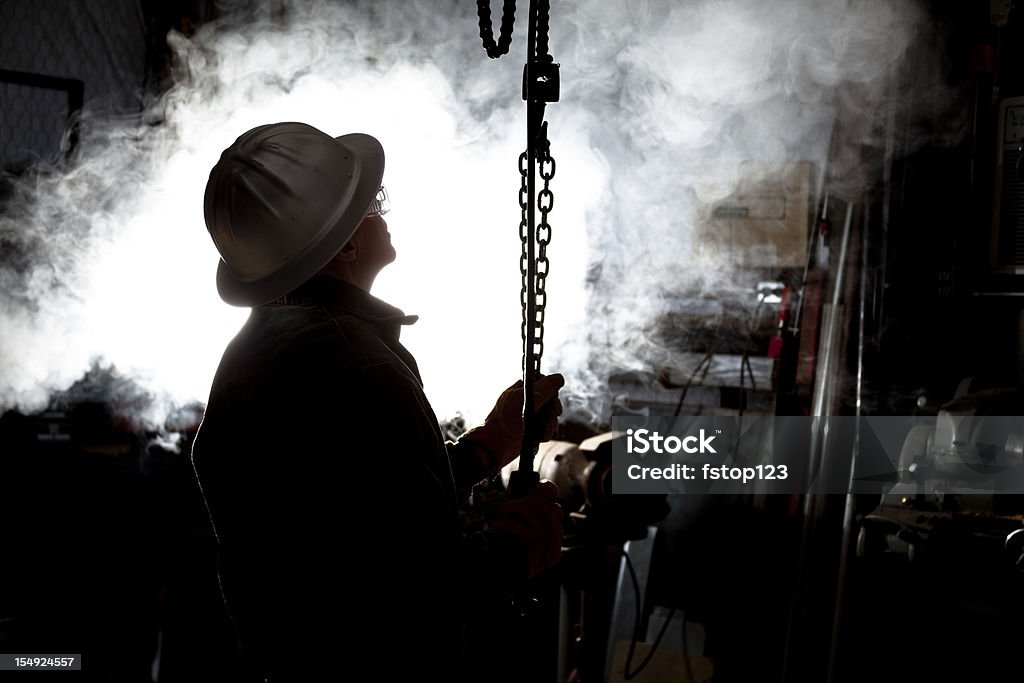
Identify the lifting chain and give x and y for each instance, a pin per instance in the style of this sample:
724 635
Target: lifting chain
508 17
540 86
534 334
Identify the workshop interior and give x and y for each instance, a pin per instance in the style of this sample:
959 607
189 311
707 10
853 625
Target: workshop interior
797 208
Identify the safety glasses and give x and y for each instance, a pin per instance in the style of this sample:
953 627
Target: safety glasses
380 204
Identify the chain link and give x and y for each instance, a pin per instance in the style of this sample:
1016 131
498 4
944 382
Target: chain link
508 15
533 335
524 236
543 18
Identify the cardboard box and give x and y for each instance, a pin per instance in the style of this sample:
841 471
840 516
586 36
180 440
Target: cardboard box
763 223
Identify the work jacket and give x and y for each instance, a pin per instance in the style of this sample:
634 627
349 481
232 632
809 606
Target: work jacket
335 498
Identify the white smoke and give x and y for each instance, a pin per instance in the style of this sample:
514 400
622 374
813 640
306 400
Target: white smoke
114 262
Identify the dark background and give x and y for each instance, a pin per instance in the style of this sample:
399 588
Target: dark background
107 550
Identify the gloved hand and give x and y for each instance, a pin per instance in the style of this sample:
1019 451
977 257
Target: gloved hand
534 520
500 435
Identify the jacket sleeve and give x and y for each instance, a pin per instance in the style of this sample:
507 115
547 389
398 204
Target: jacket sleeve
421 501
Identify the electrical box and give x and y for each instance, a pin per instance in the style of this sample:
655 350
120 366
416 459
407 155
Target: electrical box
763 222
1008 180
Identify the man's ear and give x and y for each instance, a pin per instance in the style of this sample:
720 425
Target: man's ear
348 252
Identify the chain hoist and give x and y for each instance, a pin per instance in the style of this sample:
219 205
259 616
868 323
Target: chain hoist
540 86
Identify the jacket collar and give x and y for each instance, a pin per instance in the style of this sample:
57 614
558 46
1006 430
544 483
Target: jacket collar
341 297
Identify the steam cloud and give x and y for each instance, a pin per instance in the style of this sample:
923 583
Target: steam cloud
110 261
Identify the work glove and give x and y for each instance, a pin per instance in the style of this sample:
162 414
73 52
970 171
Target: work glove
534 520
500 435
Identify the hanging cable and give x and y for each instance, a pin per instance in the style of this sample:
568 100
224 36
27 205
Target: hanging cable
637 626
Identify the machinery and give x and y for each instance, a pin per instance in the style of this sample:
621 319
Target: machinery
962 469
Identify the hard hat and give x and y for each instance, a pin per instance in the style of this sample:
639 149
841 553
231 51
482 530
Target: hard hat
282 202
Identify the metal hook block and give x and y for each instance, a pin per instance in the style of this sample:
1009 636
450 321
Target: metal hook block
540 82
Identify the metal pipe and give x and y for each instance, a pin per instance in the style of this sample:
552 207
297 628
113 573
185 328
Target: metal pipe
850 508
811 244
823 388
796 633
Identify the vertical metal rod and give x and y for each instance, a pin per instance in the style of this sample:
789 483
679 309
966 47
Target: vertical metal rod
822 391
821 407
843 248
529 350
811 245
